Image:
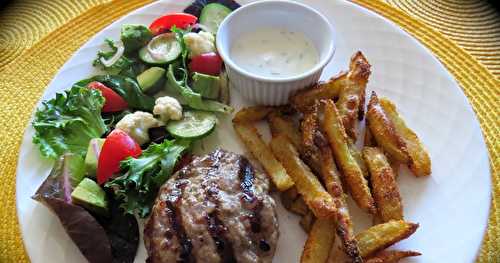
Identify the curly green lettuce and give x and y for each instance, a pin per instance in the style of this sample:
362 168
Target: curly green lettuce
135 37
143 176
66 123
127 65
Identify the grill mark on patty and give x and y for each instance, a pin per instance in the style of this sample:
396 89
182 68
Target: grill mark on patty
217 229
254 204
173 203
246 176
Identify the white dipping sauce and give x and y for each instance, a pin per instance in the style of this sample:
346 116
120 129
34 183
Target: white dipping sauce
274 52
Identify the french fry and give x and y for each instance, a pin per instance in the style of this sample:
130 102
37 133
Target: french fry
369 141
420 163
391 256
252 114
351 100
315 196
282 125
319 242
385 189
306 221
323 90
251 138
309 125
352 174
384 131
333 185
358 157
381 236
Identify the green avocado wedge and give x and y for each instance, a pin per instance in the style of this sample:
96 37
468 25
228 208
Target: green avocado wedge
151 80
91 196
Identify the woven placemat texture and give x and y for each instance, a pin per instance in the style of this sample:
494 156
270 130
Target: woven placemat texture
472 24
23 80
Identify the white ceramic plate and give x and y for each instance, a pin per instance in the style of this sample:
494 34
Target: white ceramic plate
451 206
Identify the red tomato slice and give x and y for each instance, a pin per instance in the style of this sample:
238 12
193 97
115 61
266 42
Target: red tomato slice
164 23
116 148
207 63
114 102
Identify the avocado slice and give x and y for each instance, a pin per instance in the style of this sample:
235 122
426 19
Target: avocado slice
151 80
208 86
91 196
93 151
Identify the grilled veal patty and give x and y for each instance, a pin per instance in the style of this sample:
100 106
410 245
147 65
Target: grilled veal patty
216 209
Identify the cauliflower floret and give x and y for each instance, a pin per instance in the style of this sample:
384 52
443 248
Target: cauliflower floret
199 43
168 108
136 125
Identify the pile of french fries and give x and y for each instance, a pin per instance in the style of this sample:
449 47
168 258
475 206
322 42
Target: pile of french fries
313 160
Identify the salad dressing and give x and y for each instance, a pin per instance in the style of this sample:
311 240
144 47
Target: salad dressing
274 53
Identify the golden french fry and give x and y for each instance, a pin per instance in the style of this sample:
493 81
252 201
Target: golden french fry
381 236
420 163
369 141
352 173
251 138
323 90
391 256
306 221
358 157
315 196
333 185
319 242
385 189
252 114
384 131
351 100
282 125
309 125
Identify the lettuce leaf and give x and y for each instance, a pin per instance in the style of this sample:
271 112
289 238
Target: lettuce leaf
143 177
127 65
126 87
135 36
112 238
67 122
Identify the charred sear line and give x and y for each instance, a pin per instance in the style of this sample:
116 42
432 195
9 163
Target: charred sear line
254 204
246 175
217 229
172 205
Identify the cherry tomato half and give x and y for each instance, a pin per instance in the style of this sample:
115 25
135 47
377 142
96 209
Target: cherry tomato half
207 63
116 148
164 23
114 102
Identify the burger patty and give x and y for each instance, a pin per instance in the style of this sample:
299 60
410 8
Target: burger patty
216 209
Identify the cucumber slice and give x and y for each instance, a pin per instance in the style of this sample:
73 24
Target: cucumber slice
164 44
194 124
212 15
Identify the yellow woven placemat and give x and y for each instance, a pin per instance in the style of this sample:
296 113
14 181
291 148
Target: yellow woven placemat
23 80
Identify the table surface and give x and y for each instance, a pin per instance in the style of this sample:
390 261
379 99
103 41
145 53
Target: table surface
472 24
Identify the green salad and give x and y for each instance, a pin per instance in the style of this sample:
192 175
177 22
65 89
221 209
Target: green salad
118 136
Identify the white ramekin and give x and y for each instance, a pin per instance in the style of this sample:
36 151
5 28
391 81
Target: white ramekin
282 14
